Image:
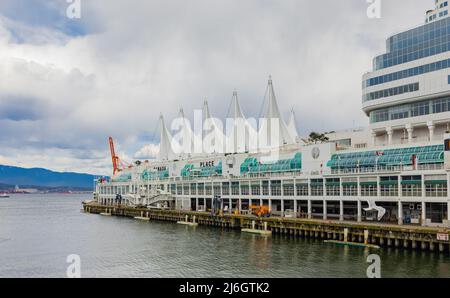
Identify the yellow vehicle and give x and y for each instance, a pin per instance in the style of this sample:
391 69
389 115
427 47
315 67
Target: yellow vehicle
260 211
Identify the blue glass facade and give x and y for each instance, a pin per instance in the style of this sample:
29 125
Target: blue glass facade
424 41
391 92
407 73
421 108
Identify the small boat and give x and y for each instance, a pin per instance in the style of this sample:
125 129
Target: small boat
3 195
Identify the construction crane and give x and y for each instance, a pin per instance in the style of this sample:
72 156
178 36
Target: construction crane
118 165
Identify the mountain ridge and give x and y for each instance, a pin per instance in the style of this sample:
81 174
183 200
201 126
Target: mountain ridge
13 175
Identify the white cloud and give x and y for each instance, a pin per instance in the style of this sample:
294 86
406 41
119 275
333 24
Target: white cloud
155 56
150 151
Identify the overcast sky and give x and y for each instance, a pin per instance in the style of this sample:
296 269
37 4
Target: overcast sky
67 84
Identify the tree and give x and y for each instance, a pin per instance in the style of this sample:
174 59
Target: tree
315 138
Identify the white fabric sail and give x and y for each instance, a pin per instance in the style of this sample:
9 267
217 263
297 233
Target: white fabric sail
273 131
240 134
183 140
292 125
165 145
213 138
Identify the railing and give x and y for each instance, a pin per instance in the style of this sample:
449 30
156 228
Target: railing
424 167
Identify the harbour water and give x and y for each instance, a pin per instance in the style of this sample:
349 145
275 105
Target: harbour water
38 232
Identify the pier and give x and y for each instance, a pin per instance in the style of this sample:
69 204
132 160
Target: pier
367 234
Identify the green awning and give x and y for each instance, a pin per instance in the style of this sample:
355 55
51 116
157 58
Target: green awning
350 183
412 182
368 183
390 182
434 182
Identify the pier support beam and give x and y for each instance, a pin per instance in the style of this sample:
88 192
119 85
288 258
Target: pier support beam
424 214
309 209
448 214
400 213
359 211
341 210
295 208
324 209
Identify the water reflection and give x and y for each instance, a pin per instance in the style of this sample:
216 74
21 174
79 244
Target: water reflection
37 233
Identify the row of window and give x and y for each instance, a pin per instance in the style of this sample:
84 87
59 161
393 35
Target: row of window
424 41
411 110
316 189
407 73
391 92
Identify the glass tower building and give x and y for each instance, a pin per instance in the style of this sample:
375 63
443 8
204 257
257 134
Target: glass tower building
407 94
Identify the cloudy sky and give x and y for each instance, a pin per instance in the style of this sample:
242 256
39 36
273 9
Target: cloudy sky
67 84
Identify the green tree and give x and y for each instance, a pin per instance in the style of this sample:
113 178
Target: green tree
315 138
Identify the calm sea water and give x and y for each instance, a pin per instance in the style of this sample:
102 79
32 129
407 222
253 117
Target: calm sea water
38 232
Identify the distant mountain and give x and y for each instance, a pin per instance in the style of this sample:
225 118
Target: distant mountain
44 178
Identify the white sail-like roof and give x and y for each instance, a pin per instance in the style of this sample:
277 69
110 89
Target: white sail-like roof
241 136
292 125
213 137
273 131
165 145
183 140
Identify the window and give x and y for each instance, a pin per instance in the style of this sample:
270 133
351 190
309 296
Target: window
436 189
256 189
288 188
350 190
235 188
411 110
226 188
275 188
391 92
302 190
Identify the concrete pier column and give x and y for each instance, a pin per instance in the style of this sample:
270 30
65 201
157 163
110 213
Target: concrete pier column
432 246
359 211
424 214
405 243
309 209
448 213
295 208
341 210
249 203
240 205
400 213
389 242
414 244
424 245
325 209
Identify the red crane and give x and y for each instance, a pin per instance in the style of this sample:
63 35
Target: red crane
117 163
